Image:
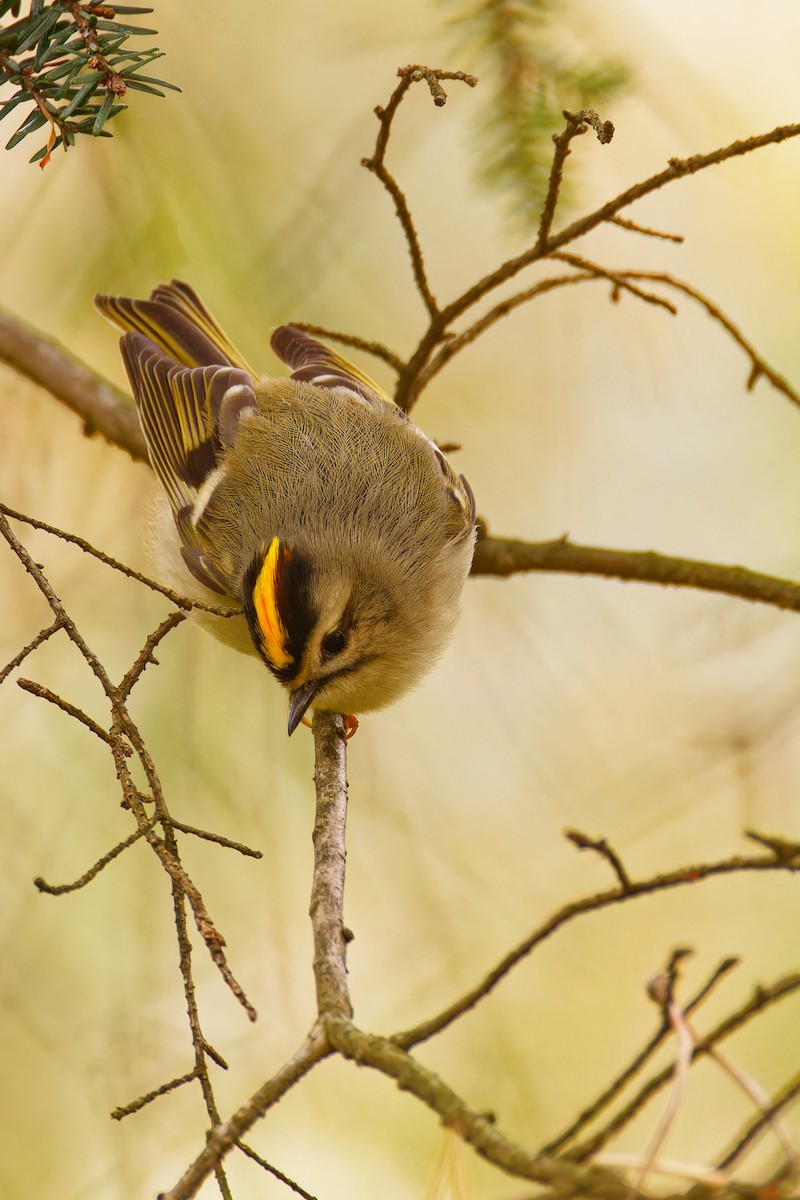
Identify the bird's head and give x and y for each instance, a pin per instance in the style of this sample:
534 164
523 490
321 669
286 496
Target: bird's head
337 632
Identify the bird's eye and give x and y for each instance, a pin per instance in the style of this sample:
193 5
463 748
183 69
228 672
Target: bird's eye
333 642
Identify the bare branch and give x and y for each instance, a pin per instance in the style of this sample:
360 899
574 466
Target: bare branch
376 349
619 279
761 1101
761 999
759 366
327 893
377 165
37 689
126 1110
611 1092
577 123
679 1079
679 168
262 1162
761 1123
602 847
479 1130
116 565
125 731
32 645
784 850
407 389
145 655
61 889
103 408
646 230
684 876
57 608
225 1135
456 344
509 556
218 838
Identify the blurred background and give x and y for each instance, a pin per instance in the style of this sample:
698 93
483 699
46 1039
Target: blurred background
665 720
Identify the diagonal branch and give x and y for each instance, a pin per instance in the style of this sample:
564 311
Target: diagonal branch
633 1068
762 998
116 565
759 366
103 408
408 389
682 877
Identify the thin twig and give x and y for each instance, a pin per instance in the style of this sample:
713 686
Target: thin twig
707 1177
408 389
61 889
620 280
759 366
679 168
126 1110
602 847
57 608
32 645
761 999
456 344
217 838
783 848
225 1135
678 1081
37 689
208 931
761 1101
634 227
478 1129
376 163
116 565
577 124
761 1123
376 349
685 876
262 1162
124 736
635 1066
145 655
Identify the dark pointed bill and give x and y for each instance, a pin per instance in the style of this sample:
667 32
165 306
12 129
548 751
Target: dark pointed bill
300 700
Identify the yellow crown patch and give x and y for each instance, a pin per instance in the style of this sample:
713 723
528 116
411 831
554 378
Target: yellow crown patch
273 633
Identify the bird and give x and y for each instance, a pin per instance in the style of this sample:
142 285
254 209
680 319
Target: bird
310 506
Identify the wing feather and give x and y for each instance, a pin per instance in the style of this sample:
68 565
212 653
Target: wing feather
312 362
179 408
175 318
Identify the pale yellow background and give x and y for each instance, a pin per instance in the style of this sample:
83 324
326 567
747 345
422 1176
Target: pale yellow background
666 721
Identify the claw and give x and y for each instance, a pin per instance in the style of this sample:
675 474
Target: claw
350 725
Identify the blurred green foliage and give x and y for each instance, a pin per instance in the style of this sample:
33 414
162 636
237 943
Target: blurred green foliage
519 47
70 65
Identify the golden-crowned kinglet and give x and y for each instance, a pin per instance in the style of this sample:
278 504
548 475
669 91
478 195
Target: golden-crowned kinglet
312 503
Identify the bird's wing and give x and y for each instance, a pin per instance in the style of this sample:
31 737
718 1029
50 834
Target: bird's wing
189 416
175 318
312 362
